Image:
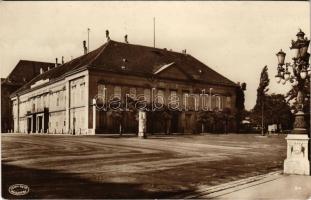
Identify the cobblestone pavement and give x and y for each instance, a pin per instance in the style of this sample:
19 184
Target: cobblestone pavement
58 166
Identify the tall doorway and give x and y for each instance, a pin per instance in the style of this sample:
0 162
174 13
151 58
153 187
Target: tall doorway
29 124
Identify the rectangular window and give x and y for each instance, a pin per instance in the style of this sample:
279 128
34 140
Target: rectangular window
173 98
185 97
57 100
82 93
117 92
101 93
147 95
196 102
74 99
100 89
44 101
133 93
173 93
160 96
214 102
218 102
228 102
205 101
193 101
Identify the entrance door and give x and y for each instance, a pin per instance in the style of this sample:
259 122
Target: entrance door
74 126
28 124
174 122
188 123
34 119
40 127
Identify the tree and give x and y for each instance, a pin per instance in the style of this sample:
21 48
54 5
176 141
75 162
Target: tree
227 117
277 111
240 100
261 93
215 121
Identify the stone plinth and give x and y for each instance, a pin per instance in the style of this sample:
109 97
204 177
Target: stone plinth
297 161
142 119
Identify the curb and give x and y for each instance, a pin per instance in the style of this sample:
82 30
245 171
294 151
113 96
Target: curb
207 192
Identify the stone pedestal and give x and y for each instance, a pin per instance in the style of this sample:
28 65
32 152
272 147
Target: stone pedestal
297 161
142 119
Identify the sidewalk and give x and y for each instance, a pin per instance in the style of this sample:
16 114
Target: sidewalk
275 185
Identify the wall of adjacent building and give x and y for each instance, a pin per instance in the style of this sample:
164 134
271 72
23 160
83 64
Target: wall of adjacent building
63 105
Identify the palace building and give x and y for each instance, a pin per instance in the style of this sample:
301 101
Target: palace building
61 99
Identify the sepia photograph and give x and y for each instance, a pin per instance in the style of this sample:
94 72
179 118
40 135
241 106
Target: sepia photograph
155 100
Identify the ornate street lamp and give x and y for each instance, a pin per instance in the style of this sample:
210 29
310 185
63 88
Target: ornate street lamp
297 161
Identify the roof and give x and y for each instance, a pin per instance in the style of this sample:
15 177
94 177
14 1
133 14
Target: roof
25 71
138 60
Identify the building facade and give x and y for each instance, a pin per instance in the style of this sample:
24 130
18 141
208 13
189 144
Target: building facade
23 72
80 96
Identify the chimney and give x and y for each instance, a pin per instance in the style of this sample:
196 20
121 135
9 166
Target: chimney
63 60
125 39
107 35
56 62
184 51
84 47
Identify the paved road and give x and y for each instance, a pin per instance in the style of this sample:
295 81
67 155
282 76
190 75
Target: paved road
56 166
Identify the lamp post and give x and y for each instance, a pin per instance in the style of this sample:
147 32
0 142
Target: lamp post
297 161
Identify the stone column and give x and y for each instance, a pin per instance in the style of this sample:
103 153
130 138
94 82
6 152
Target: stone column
94 115
37 122
31 124
43 122
142 124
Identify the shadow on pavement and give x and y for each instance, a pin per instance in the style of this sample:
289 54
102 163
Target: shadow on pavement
54 184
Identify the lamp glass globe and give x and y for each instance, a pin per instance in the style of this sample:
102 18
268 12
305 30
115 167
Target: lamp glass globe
283 81
303 74
286 76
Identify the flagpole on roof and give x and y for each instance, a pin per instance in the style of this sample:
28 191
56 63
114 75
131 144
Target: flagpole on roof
88 39
154 32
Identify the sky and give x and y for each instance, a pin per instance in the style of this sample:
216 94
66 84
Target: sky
235 38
